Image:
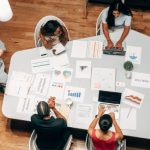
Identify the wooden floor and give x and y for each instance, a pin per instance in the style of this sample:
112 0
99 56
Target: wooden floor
18 35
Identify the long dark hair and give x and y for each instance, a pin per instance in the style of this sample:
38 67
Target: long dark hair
50 27
119 6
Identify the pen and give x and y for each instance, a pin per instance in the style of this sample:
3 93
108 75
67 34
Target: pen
129 111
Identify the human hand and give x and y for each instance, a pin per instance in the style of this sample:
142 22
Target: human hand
101 110
112 114
119 45
1 52
51 102
110 44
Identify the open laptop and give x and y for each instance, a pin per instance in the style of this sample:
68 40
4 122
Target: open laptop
111 101
114 50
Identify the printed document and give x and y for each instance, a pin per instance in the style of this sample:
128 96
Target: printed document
103 79
56 89
133 54
128 118
84 113
140 80
132 98
29 105
90 49
62 74
19 84
41 84
59 61
76 94
83 69
40 65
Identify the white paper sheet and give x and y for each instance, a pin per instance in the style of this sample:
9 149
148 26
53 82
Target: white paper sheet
133 54
41 84
62 74
83 114
90 49
76 94
140 80
40 65
59 48
56 89
79 49
19 84
132 98
95 49
128 118
83 69
59 61
103 79
29 105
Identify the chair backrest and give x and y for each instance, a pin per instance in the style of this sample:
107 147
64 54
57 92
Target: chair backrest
89 143
99 24
121 144
41 22
68 144
33 146
32 141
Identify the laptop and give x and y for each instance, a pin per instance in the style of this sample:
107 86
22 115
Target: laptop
111 101
114 50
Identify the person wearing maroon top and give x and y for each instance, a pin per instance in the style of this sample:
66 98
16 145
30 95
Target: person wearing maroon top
52 133
103 138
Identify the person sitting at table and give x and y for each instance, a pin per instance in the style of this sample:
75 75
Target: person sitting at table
117 15
51 132
103 138
52 33
3 74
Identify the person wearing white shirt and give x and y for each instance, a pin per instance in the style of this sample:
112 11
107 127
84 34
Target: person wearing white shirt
117 15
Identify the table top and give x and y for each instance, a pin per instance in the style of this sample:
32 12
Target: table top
24 57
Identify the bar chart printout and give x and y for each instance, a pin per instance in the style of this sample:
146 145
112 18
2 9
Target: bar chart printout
75 93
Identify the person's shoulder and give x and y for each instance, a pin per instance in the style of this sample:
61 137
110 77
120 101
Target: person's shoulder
34 116
61 121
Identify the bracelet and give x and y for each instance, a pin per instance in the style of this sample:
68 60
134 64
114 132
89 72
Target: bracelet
97 117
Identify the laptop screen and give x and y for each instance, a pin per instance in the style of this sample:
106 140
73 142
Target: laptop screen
109 97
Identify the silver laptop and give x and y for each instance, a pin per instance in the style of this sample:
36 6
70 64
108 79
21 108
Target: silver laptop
111 101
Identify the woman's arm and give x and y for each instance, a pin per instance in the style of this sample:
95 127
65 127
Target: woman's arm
123 36
119 134
94 122
106 33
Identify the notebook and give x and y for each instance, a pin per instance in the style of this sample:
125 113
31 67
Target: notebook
111 101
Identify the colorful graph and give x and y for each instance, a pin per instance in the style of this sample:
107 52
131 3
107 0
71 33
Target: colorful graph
74 94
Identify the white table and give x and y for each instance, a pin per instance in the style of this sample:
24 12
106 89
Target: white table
23 58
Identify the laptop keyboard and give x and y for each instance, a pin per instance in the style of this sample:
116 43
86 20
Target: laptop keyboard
114 51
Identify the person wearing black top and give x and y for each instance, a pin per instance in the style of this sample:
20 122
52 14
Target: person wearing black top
51 132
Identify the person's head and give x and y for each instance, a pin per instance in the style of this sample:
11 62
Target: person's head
117 8
43 109
51 28
105 122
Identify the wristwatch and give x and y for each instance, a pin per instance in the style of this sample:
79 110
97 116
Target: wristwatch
96 116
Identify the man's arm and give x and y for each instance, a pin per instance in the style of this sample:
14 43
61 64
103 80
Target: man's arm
123 36
119 134
51 104
106 33
94 122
